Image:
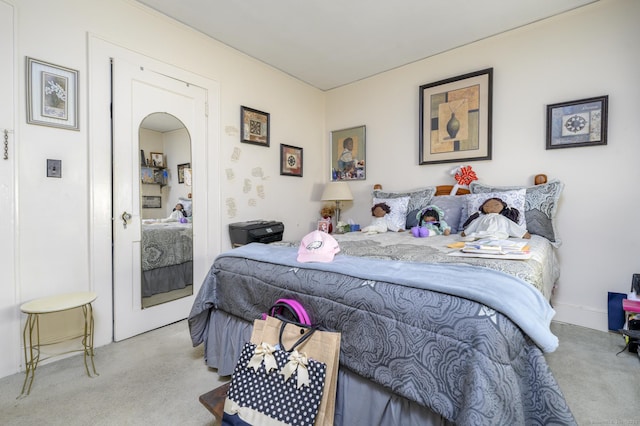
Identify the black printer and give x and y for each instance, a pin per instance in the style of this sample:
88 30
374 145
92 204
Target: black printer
255 231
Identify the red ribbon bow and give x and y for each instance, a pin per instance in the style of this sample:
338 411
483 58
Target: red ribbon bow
465 175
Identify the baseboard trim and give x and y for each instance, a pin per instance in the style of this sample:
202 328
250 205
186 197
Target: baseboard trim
583 316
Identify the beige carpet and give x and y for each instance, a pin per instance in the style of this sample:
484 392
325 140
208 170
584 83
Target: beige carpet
156 379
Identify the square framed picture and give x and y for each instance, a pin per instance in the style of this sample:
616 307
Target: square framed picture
455 119
52 95
181 168
157 159
290 160
348 152
254 126
577 123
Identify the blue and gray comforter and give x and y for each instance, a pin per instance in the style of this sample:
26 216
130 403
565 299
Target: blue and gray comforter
465 341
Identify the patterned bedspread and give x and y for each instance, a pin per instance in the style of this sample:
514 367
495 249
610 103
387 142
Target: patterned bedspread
166 244
464 360
541 270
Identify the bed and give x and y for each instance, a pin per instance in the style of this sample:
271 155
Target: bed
427 337
167 257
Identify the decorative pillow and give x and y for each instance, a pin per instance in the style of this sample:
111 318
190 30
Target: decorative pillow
513 198
396 219
452 205
541 204
186 203
417 199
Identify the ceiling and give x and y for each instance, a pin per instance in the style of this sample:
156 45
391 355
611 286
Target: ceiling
330 43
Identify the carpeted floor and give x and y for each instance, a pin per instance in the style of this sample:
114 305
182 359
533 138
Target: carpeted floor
156 379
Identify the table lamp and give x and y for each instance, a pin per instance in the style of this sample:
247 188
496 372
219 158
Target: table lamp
337 191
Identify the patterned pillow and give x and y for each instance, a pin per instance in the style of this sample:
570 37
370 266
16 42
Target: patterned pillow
513 198
418 198
397 218
541 205
452 205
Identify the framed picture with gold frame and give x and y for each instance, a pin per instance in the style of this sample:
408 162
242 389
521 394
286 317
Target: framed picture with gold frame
455 119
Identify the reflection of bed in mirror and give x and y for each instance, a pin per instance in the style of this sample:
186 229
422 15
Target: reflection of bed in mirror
167 257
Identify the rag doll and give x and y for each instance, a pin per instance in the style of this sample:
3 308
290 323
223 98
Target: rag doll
431 222
494 218
379 222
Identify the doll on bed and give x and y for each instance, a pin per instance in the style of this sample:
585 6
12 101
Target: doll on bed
379 222
495 218
431 222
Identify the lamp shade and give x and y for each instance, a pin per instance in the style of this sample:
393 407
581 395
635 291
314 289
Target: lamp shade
337 191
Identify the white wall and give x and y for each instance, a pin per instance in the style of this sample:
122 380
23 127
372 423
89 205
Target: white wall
589 52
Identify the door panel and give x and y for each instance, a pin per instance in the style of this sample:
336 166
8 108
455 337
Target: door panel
137 93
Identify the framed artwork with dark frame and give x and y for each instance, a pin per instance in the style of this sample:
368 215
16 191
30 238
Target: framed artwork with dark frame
290 160
181 168
52 95
455 119
254 126
157 159
151 201
348 153
577 123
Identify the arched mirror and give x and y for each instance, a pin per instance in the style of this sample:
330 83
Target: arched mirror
167 243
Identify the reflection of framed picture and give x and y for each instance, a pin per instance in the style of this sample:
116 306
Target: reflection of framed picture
455 119
146 175
290 160
52 95
254 126
181 168
348 149
157 159
151 201
577 123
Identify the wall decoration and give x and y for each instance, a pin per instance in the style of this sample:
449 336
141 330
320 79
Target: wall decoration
577 123
455 119
290 160
52 95
151 201
146 175
157 159
254 126
348 152
181 168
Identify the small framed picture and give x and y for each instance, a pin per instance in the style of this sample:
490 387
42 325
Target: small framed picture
323 225
348 151
157 159
52 95
151 201
181 168
254 126
577 123
290 160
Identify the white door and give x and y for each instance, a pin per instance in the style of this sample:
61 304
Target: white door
139 92
9 314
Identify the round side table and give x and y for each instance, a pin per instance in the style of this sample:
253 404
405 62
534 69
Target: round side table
31 334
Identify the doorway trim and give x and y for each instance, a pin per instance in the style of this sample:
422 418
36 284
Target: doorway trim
100 182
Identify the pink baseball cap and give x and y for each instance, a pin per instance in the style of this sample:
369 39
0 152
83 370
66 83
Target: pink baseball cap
317 246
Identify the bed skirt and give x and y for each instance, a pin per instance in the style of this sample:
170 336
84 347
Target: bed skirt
168 278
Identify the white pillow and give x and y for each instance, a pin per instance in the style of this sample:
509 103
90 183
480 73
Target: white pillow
397 218
186 203
514 199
